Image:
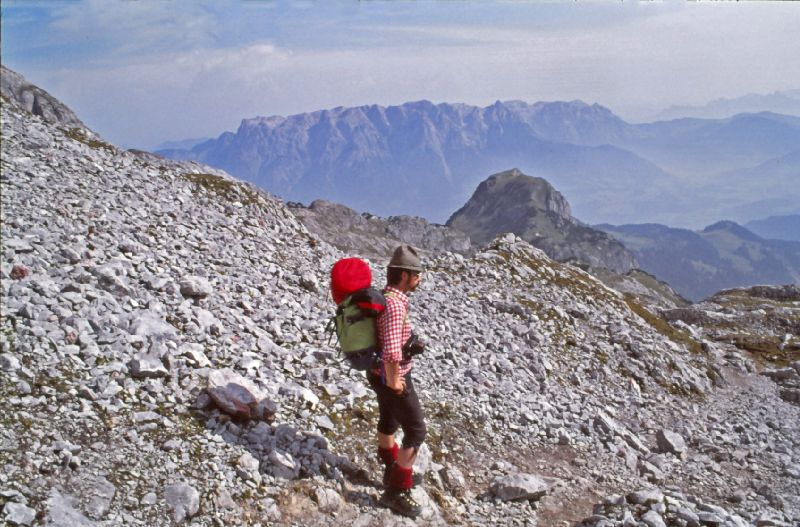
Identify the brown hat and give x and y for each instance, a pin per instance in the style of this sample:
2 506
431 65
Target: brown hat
406 257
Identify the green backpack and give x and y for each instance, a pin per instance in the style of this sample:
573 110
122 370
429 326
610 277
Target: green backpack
355 325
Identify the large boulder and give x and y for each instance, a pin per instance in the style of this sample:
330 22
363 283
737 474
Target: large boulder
239 396
670 442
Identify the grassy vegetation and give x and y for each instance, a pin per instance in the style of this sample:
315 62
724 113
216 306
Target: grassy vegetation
223 187
662 326
79 135
765 348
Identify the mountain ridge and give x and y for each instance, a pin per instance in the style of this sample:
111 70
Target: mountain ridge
435 154
784 102
723 255
777 227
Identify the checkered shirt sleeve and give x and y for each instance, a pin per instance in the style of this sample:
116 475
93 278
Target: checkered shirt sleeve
394 329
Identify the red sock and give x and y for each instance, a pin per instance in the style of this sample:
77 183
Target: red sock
388 455
401 478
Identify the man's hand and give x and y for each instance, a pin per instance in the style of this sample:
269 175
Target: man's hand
398 386
393 379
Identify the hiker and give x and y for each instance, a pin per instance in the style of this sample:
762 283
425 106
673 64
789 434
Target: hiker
398 403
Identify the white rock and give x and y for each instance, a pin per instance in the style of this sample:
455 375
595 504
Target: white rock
151 324
9 362
653 519
328 500
64 510
670 442
283 465
183 500
195 287
102 493
146 365
18 514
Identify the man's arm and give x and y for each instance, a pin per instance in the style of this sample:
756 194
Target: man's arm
393 378
390 327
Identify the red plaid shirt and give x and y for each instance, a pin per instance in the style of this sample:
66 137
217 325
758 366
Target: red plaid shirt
394 329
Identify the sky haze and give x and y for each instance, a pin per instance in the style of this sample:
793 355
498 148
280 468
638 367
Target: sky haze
141 73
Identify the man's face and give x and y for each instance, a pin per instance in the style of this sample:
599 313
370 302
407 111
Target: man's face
411 280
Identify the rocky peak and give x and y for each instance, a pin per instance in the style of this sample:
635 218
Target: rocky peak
530 207
17 89
504 201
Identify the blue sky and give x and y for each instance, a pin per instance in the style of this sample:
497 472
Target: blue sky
144 72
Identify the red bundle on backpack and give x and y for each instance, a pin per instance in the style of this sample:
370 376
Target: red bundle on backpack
348 276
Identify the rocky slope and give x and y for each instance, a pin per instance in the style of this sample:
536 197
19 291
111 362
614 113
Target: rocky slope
530 207
643 287
764 320
370 236
164 361
722 255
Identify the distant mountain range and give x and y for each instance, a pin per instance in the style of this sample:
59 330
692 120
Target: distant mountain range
648 261
721 256
182 144
506 202
777 227
424 159
785 102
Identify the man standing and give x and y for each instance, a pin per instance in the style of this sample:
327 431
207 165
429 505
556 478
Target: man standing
398 403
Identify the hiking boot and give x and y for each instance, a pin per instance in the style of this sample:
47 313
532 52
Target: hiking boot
401 502
416 479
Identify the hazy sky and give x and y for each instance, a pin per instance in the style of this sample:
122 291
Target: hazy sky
144 72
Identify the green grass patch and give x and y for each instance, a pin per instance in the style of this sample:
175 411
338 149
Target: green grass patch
79 135
223 187
662 326
765 348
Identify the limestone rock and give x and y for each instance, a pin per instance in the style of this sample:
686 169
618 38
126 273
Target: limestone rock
195 287
670 442
18 514
519 487
9 362
239 396
147 365
183 500
283 465
328 500
102 493
653 519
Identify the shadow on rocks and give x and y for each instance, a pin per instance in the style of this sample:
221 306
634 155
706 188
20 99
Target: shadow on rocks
275 454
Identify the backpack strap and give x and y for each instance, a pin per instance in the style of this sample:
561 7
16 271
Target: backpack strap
392 294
